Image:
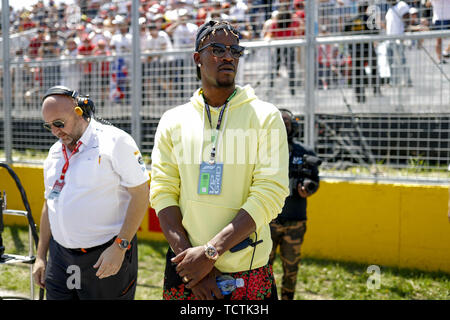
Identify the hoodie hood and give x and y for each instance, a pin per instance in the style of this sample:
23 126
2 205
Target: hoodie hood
243 95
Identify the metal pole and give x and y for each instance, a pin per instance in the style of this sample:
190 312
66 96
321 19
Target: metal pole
311 22
31 254
7 129
136 89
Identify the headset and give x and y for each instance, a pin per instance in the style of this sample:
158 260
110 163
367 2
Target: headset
85 106
295 126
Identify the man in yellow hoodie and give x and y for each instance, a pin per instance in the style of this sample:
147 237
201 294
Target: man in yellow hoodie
219 176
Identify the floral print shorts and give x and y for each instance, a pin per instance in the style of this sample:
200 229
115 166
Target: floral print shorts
259 284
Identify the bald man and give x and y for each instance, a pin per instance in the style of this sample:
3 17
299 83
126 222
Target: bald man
96 194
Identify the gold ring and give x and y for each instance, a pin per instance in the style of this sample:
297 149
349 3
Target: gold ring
185 279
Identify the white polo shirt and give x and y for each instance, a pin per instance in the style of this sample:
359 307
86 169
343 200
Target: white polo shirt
91 207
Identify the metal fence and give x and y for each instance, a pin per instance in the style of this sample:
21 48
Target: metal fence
373 106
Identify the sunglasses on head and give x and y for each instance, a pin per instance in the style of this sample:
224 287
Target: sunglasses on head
57 124
219 49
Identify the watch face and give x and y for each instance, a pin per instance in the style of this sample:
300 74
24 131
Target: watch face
124 244
211 251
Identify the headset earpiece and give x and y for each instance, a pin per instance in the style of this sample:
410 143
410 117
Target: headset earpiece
85 106
79 111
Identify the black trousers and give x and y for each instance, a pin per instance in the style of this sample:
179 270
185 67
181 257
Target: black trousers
70 274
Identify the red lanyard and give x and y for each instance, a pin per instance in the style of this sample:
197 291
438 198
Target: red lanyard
66 165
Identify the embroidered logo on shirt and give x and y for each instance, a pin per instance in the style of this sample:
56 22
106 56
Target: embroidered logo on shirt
140 160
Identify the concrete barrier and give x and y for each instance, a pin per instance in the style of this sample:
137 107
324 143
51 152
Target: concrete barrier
396 225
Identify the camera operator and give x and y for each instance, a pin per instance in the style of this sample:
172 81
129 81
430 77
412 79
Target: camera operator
289 227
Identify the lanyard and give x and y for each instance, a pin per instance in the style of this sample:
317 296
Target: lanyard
215 134
67 158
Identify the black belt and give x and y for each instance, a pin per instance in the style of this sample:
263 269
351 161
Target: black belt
87 250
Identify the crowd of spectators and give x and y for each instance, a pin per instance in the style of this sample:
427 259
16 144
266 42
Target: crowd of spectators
50 26
48 30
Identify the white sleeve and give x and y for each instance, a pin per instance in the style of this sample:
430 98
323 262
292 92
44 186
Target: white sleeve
127 161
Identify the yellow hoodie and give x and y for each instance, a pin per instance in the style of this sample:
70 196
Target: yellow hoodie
253 149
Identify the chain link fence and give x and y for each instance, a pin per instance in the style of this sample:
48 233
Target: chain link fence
373 105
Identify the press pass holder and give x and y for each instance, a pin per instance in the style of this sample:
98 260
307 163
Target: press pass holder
210 180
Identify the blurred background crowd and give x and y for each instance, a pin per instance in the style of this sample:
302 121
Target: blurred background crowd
64 30
392 68
97 27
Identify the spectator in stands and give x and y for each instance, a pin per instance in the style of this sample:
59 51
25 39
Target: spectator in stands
345 9
285 26
441 21
101 71
70 69
144 35
61 12
327 14
416 23
244 28
51 70
99 33
145 61
40 12
299 14
246 34
54 42
257 17
160 22
108 29
86 49
363 55
269 25
93 8
218 11
35 43
122 40
267 7
25 22
183 34
80 32
160 68
121 43
397 21
238 9
202 12
327 63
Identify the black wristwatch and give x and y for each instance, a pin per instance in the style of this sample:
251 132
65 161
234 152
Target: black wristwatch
123 243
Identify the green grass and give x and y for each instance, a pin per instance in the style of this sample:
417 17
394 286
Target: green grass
317 279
